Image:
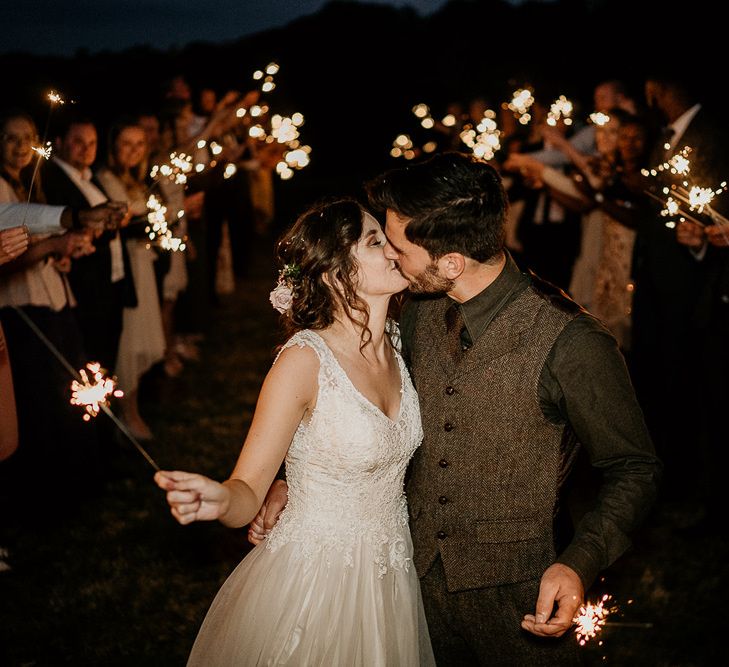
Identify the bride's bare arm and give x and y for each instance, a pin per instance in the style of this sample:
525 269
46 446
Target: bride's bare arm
288 394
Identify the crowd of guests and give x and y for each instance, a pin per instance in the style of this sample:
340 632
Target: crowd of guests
94 286
583 215
588 215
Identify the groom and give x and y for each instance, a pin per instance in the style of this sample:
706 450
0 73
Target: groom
512 377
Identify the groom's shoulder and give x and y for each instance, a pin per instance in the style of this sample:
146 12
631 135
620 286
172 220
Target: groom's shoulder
555 296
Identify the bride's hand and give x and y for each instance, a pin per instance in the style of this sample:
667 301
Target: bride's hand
193 497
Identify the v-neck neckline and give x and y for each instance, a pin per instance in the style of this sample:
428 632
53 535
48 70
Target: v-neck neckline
364 398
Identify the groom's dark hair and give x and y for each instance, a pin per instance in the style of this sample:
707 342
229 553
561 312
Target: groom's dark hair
455 202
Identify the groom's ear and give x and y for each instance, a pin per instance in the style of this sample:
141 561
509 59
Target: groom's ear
452 265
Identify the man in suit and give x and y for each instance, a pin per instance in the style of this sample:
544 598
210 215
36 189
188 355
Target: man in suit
101 282
512 376
672 281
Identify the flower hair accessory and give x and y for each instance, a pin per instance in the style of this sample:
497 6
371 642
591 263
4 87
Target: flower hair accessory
282 295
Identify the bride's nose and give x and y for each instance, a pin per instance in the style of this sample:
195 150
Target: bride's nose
390 252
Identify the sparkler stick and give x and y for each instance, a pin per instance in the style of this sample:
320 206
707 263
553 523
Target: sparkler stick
74 373
44 151
688 216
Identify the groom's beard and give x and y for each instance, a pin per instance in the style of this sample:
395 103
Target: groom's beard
429 281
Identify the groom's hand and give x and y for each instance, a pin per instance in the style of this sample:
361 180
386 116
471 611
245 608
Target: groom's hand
561 585
276 499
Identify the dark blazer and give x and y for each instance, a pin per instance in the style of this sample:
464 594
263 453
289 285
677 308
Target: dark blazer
100 303
90 276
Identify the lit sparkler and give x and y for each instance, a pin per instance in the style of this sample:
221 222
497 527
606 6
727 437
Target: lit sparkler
93 390
103 405
44 151
520 104
484 139
176 170
55 98
599 118
158 229
562 109
403 147
590 619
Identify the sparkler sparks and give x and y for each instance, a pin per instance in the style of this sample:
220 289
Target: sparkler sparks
700 197
44 151
599 118
521 101
55 98
158 230
484 139
590 619
176 170
562 109
94 389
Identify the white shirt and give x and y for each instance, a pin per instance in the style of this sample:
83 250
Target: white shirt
82 180
38 284
680 125
38 218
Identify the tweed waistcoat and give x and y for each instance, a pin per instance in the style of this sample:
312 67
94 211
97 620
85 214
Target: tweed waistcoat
483 488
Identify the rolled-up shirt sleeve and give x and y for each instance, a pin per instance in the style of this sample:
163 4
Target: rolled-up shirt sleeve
585 382
38 218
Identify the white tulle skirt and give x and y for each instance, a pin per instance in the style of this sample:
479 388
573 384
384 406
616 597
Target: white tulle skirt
281 608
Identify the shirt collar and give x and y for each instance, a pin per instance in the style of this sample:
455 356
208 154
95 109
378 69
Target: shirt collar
84 175
480 310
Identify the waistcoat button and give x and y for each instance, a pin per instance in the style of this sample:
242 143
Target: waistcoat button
448 427
442 500
450 390
443 463
441 535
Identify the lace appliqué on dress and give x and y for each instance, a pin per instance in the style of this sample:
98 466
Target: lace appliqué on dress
345 470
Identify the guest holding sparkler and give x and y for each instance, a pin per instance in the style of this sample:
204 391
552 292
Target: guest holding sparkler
102 282
672 291
142 342
34 286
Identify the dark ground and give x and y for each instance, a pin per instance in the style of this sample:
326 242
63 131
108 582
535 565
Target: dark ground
114 580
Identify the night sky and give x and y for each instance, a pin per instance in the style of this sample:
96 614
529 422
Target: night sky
63 27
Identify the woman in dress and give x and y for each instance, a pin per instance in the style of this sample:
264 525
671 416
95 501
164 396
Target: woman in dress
142 342
333 584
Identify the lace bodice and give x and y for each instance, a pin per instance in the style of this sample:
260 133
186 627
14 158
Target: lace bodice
345 470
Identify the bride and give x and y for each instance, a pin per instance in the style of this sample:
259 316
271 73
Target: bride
333 584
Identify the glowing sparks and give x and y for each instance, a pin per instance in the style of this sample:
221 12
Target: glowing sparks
158 230
268 84
94 390
55 98
672 208
700 197
484 139
44 151
520 104
561 109
590 620
449 120
599 118
403 147
680 164
175 170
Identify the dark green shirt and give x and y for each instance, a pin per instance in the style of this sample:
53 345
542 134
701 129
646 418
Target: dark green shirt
584 383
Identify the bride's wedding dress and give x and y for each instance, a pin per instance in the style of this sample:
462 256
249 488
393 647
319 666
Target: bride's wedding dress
333 584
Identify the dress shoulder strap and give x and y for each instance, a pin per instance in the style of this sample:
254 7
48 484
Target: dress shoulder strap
307 338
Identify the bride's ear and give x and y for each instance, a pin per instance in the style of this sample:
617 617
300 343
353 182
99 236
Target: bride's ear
452 265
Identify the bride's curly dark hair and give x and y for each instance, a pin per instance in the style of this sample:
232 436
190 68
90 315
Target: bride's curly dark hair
319 248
